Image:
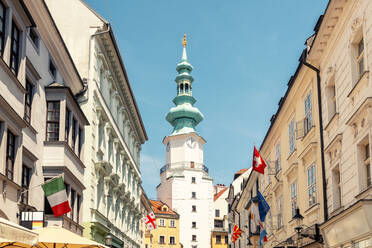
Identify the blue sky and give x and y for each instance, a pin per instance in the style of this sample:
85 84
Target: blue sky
243 53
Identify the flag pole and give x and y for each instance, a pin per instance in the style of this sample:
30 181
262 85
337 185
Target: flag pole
25 190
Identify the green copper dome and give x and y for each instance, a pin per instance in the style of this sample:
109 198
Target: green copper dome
184 116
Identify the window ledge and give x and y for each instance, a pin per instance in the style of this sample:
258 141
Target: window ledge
331 121
312 208
12 75
32 129
356 86
365 192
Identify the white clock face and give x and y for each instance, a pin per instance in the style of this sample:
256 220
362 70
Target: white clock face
168 147
191 143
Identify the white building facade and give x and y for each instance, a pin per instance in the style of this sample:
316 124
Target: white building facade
114 139
185 184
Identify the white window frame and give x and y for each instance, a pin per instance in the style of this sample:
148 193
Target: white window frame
161 222
291 136
294 197
311 185
172 223
277 154
308 121
360 61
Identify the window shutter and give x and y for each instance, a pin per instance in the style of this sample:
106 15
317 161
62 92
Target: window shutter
300 129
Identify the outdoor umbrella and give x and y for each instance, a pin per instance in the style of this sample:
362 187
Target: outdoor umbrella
59 237
13 235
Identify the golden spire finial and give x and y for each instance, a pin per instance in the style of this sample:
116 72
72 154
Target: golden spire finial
184 42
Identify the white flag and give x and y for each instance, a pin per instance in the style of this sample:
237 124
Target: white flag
255 218
150 221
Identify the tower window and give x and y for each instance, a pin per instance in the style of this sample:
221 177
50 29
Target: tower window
193 224
186 88
193 180
193 195
193 237
181 88
194 208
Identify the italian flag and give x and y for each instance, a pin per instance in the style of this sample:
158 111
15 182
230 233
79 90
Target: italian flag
55 191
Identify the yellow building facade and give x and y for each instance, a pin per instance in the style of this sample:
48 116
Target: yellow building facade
167 232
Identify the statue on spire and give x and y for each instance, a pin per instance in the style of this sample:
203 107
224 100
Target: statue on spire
184 42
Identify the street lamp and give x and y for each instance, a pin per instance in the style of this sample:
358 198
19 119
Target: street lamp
108 240
298 218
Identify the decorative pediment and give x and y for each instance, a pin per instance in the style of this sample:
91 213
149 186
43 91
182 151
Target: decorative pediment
333 150
309 153
362 118
356 25
292 170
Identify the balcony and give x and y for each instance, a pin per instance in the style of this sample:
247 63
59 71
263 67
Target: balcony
184 165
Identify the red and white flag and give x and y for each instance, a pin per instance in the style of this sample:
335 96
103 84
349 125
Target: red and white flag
258 162
150 221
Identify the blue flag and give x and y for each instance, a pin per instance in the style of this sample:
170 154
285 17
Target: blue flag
263 207
263 237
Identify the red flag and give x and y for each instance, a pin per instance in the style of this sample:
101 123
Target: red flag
236 234
258 163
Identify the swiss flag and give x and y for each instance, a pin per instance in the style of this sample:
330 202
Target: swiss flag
258 163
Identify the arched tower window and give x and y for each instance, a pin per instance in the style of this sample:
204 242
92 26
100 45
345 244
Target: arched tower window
186 88
181 91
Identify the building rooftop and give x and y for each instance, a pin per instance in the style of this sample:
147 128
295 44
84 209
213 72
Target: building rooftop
160 207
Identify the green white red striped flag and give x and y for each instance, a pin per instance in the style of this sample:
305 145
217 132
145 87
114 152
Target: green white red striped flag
55 191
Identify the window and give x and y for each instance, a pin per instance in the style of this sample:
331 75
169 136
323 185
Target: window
14 50
218 223
161 222
193 180
26 177
52 69
172 240
331 98
193 195
193 237
2 27
360 57
218 239
294 197
291 137
277 154
367 164
172 223
308 123
193 224
74 124
73 195
67 124
34 37
226 239
78 202
336 188
80 141
52 121
193 208
28 101
194 246
311 185
10 155
280 214
161 240
217 213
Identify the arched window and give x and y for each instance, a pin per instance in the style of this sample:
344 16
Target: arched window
181 91
186 88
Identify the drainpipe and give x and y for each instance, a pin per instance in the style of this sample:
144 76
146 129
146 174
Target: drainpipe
325 205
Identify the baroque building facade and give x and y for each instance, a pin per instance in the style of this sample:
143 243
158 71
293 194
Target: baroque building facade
38 82
185 184
219 235
114 138
342 50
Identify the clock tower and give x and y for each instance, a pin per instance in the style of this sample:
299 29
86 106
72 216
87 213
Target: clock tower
185 184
